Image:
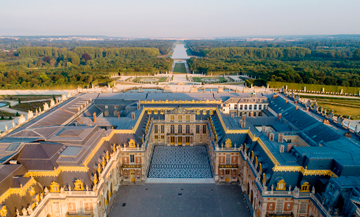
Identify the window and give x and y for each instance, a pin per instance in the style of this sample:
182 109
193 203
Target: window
250 107
303 207
179 129
187 117
172 140
156 128
162 128
187 140
227 159
197 128
255 107
245 107
241 107
132 158
260 107
187 128
156 138
204 128
162 137
171 117
235 106
180 118
172 129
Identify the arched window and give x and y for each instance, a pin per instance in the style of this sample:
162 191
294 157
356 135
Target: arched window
180 118
187 128
179 129
172 129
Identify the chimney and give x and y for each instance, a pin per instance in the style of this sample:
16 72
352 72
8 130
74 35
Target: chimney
251 114
271 136
243 117
132 115
13 162
297 107
279 116
94 117
263 128
232 115
286 101
282 148
280 137
138 106
347 135
275 96
307 109
243 124
295 102
267 134
118 114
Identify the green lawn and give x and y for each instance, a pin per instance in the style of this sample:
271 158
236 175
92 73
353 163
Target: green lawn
315 87
208 79
179 68
341 106
143 79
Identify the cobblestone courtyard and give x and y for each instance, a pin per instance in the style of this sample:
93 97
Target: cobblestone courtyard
174 200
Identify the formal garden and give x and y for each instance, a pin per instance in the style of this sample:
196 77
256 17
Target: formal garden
149 80
209 80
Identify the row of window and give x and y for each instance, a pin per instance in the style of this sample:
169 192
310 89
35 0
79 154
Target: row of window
187 118
250 107
156 128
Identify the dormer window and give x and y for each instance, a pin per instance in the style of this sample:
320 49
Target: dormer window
305 187
281 185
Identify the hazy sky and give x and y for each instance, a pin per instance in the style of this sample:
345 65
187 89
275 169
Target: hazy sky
179 18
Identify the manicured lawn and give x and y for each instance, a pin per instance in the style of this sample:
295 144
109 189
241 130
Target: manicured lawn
179 68
209 79
30 106
315 87
150 79
343 107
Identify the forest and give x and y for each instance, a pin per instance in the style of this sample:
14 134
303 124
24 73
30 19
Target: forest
277 62
39 67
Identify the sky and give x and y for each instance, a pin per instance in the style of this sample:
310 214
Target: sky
174 18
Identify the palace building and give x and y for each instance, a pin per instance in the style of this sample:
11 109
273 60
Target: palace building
71 158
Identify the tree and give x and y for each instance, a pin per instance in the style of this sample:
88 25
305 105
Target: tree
356 54
86 57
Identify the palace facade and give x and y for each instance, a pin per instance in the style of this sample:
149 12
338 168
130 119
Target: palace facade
71 159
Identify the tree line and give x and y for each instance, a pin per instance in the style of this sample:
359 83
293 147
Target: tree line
297 65
38 67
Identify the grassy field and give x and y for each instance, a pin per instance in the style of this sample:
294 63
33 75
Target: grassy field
344 107
30 106
179 68
157 79
26 97
202 79
315 87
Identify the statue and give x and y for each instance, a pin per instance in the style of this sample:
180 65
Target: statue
17 213
24 212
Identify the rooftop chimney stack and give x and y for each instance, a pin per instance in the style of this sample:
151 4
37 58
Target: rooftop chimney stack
94 117
279 116
138 106
118 114
297 107
280 137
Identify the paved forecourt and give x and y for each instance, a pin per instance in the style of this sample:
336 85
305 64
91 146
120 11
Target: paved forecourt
174 200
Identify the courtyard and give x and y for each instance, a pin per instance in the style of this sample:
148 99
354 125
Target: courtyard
179 200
